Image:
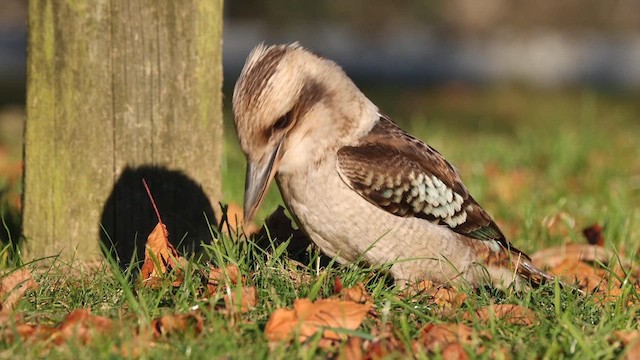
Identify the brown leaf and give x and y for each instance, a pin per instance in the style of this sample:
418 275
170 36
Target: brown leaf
166 257
242 301
627 336
594 235
513 314
448 298
177 323
352 349
79 324
13 287
574 270
420 287
551 257
218 277
454 351
386 344
337 285
308 317
630 340
356 293
632 351
436 336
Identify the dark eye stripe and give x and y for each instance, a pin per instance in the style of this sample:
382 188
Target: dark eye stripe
283 122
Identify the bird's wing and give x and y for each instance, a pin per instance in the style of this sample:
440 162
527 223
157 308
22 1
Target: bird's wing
406 177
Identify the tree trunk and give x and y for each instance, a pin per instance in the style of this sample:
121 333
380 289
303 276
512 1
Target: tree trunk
117 91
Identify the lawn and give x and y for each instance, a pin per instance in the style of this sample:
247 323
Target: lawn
545 164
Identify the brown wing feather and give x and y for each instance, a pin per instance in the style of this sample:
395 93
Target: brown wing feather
406 177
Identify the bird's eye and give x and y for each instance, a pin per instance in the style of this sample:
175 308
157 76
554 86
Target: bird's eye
282 122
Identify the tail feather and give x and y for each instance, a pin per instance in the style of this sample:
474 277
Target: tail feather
535 275
539 277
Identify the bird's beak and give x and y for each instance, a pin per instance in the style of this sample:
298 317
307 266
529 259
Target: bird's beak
259 175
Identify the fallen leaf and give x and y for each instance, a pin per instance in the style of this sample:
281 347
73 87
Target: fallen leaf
632 351
177 323
445 339
356 293
352 349
307 318
419 287
594 235
551 257
573 270
454 351
630 340
385 345
160 257
81 324
513 314
626 336
13 287
447 298
436 336
383 348
242 301
219 276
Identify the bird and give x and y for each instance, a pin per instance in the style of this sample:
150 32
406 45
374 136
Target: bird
361 188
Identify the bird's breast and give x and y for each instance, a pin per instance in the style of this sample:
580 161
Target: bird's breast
345 225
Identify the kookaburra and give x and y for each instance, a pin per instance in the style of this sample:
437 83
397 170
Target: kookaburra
360 187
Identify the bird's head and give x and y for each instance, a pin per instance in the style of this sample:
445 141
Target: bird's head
291 107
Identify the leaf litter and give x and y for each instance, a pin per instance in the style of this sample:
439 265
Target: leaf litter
332 321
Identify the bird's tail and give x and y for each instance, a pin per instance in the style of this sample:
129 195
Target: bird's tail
536 276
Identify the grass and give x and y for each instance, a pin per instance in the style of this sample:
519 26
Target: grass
528 157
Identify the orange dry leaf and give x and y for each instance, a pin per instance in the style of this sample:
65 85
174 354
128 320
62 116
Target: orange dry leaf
551 257
159 257
445 297
435 335
79 324
307 318
218 277
630 340
82 325
356 293
178 323
513 314
242 300
352 349
448 298
439 336
13 287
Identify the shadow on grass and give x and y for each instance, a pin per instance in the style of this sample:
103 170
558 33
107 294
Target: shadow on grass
128 216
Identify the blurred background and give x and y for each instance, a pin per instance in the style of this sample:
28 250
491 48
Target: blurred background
536 102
